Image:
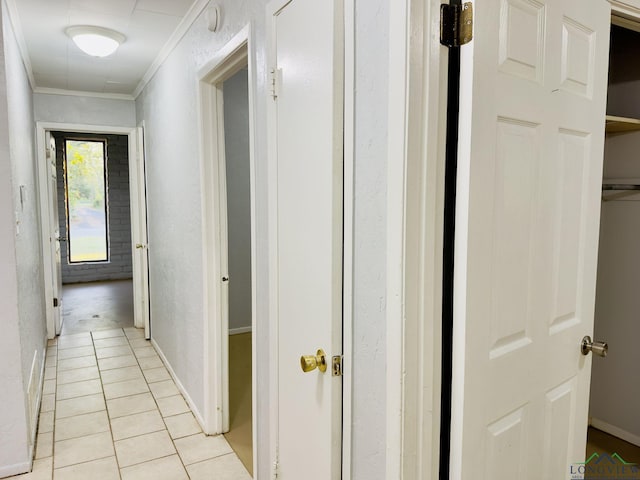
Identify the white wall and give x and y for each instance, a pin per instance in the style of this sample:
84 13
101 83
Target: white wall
168 106
22 343
84 110
617 322
236 144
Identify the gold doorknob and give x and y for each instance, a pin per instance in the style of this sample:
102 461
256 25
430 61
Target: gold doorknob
311 362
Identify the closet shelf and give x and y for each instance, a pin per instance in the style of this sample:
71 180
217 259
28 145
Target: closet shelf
616 125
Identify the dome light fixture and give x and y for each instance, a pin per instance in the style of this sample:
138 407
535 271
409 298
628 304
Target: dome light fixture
95 41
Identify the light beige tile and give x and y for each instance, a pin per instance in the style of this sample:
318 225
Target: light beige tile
150 362
144 448
80 405
138 424
156 375
110 342
81 425
103 469
78 375
78 362
42 470
49 387
164 389
134 332
52 341
139 342
117 332
145 352
172 405
50 373
199 447
125 389
52 351
48 403
118 351
73 341
45 422
166 468
79 389
83 449
44 445
75 352
119 407
225 467
51 361
117 362
182 425
121 374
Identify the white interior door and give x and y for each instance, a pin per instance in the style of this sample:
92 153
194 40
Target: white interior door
140 252
54 228
533 92
306 167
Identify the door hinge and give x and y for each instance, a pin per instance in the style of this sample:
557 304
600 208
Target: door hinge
456 24
55 302
276 467
336 366
275 77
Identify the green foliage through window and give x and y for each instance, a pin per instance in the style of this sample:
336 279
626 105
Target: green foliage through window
86 201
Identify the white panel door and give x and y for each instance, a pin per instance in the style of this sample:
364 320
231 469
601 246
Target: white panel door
306 168
140 252
54 228
533 92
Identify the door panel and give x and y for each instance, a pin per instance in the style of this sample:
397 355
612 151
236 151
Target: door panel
54 228
308 239
533 86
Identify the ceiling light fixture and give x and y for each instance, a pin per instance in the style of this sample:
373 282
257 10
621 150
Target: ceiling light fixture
95 41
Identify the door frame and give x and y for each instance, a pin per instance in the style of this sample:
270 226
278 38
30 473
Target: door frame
236 54
348 202
43 190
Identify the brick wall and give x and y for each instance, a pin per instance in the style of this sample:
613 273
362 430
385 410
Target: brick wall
119 265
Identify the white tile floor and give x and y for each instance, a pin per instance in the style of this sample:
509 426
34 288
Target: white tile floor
110 410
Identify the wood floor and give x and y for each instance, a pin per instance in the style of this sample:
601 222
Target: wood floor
240 435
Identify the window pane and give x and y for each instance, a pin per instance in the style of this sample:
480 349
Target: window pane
86 207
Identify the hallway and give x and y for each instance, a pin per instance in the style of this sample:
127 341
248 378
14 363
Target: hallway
110 410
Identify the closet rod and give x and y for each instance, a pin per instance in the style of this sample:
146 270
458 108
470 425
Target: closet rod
620 186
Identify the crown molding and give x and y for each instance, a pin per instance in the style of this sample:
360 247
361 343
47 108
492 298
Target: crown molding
181 30
14 18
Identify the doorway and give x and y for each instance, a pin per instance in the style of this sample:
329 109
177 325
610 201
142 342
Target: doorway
615 418
95 230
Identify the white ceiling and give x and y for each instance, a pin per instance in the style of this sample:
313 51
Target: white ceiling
56 61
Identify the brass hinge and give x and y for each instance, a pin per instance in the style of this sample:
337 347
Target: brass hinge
336 362
456 24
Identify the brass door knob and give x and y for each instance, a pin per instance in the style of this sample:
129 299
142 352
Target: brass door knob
311 362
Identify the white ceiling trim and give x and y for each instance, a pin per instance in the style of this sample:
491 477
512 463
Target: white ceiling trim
78 93
184 26
14 18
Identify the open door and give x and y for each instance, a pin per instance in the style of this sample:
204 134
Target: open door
533 93
305 224
140 251
54 231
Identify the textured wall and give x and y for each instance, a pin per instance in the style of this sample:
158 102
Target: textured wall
236 144
21 276
119 265
84 110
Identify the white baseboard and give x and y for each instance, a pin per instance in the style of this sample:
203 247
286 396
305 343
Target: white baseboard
17 469
615 431
236 331
192 405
